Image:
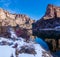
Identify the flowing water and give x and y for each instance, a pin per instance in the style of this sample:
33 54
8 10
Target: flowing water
45 46
42 43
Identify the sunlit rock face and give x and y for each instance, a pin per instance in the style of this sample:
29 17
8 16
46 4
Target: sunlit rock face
14 19
52 12
8 19
2 14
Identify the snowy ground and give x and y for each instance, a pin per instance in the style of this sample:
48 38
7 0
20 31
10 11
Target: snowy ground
6 48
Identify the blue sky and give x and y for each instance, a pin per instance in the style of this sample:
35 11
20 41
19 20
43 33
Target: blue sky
33 8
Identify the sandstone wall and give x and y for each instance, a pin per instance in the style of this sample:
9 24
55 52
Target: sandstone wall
8 19
52 12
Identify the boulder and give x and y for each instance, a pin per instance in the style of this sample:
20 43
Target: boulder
27 49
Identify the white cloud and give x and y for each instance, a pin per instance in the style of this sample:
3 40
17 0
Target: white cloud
5 3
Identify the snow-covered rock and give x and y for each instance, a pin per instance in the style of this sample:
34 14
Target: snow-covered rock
8 50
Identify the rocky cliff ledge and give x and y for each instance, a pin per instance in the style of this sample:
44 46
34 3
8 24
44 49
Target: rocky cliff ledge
52 12
15 20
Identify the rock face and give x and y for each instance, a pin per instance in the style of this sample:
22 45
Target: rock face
52 12
51 20
14 20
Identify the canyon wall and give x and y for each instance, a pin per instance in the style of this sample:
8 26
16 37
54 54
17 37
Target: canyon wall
51 20
20 22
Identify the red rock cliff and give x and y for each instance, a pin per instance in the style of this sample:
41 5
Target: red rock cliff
52 12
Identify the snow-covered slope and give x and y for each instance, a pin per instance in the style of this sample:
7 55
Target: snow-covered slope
6 51
8 48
